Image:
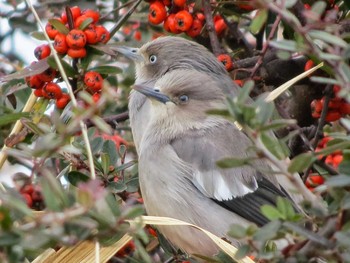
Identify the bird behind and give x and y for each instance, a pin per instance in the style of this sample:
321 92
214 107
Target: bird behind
161 56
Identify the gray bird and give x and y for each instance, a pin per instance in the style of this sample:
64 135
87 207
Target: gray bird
161 56
178 152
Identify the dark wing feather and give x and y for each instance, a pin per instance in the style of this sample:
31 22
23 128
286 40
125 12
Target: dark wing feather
249 206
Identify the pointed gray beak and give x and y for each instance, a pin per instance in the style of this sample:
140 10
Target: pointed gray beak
130 52
152 93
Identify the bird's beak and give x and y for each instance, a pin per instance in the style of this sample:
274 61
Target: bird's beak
130 52
151 93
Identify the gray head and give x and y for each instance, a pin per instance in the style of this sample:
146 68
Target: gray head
181 98
164 54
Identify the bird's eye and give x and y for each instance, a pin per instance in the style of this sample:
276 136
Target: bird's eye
183 98
153 59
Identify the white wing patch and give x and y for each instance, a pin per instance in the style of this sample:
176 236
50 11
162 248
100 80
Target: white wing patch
213 184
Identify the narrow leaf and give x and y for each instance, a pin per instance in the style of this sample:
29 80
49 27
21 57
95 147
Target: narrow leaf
12 117
57 24
301 162
258 21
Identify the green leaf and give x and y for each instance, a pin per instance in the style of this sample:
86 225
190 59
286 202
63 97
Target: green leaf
125 17
271 212
338 180
301 162
116 187
105 162
68 69
232 162
263 111
96 145
38 35
107 70
277 124
12 117
237 231
219 112
319 7
285 207
344 166
258 21
268 232
57 24
75 177
31 70
287 45
242 252
125 166
329 38
54 196
276 147
110 149
333 146
86 23
9 239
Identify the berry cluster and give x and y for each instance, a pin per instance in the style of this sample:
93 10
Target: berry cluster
337 107
43 84
333 159
32 195
179 17
72 35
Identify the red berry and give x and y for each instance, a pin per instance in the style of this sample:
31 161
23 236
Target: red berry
226 60
76 12
344 108
80 20
183 20
48 75
96 97
239 82
28 199
196 28
76 53
42 51
51 31
34 82
220 26
157 13
28 189
103 34
333 116
76 39
52 91
93 80
170 24
316 106
308 65
91 13
60 44
91 34
137 35
62 102
179 3
39 93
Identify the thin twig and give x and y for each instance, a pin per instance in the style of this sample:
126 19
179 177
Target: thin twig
111 120
266 46
214 41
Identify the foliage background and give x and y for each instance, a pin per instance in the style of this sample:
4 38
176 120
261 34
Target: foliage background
271 47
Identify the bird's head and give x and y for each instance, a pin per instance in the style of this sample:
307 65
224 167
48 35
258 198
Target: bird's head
182 98
164 54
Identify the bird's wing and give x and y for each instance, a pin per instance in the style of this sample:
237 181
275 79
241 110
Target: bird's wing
242 190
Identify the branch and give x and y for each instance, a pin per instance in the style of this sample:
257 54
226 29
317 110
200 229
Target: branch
214 41
111 120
